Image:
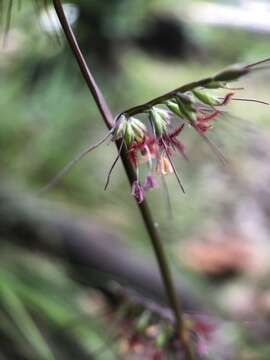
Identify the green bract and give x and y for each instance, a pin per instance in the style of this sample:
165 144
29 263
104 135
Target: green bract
163 337
186 107
159 121
215 84
206 98
120 128
232 73
143 321
129 134
134 130
173 106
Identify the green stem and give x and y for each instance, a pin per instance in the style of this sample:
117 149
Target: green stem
160 99
231 74
143 207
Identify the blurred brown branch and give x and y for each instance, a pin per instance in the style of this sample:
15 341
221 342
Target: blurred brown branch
95 256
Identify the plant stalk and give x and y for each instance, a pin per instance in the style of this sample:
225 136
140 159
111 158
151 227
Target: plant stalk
143 207
187 87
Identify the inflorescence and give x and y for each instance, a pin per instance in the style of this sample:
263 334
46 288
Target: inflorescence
147 329
154 141
150 132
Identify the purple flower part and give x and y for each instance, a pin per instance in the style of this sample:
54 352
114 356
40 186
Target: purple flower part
202 347
137 191
150 182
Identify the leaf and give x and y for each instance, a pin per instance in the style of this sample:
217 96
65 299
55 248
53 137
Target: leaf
23 320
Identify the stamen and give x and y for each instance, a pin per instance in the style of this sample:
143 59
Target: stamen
226 99
149 157
209 117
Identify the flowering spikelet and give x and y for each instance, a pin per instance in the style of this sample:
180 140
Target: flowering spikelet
151 143
155 141
147 329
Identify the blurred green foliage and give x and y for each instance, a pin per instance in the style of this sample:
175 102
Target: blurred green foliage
43 313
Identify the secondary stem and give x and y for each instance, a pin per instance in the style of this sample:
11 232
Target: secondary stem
190 86
144 208
160 99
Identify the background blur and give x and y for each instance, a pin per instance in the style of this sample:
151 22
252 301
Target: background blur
218 236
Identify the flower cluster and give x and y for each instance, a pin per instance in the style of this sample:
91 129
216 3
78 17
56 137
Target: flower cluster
154 141
147 328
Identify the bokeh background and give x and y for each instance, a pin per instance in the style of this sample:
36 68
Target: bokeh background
217 236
